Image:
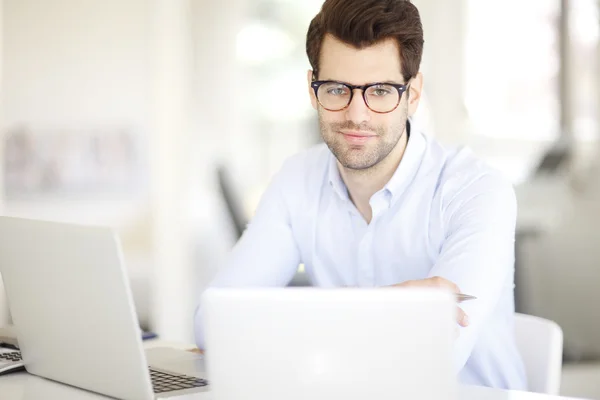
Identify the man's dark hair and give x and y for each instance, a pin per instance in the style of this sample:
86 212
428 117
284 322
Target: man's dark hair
362 23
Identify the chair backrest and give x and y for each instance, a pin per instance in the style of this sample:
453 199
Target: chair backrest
232 201
540 342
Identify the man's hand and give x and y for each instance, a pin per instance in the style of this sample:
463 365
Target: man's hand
196 350
437 282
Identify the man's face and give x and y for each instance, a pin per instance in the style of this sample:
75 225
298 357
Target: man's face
359 137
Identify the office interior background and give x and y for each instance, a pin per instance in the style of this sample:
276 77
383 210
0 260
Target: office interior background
165 119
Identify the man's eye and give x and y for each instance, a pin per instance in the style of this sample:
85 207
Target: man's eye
380 91
337 91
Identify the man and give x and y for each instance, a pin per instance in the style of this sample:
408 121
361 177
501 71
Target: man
382 204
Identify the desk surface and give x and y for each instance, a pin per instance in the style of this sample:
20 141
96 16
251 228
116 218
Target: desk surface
23 386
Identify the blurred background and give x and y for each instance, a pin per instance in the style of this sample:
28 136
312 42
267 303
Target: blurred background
165 119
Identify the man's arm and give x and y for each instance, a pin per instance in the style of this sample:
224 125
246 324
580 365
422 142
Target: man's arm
266 255
478 252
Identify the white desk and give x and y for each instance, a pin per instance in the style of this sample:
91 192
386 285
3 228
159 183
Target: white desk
23 386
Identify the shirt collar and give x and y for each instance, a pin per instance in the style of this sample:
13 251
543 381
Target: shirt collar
409 165
335 179
402 177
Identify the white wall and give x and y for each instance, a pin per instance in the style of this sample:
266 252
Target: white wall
73 65
171 285
3 305
71 62
195 116
78 65
443 66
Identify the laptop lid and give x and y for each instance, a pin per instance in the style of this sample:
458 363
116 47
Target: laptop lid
72 306
310 343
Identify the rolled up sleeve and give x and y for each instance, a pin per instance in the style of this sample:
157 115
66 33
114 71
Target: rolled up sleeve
478 252
266 255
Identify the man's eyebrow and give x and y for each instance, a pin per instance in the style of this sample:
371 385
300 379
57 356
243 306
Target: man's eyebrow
394 82
329 79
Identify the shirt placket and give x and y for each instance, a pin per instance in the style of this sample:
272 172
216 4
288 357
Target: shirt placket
365 260
366 267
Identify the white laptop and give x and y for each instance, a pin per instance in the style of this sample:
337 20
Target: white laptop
323 344
76 324
73 311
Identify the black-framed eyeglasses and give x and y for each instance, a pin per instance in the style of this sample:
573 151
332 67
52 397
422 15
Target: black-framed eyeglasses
380 97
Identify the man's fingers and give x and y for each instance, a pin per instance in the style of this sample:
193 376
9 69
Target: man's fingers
461 317
433 282
444 283
196 350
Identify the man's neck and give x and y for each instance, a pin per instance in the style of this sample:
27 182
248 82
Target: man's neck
363 184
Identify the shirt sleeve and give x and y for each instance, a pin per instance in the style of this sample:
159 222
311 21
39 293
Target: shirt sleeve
478 252
266 255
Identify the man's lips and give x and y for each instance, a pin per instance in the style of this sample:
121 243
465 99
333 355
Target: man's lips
355 137
358 134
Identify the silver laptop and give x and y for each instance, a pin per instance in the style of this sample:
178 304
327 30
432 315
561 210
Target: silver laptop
323 344
74 314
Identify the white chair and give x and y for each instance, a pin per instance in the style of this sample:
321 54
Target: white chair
540 342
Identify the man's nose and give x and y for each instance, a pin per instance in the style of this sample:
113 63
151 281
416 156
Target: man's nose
357 111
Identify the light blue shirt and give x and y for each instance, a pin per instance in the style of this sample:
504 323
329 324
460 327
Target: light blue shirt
443 213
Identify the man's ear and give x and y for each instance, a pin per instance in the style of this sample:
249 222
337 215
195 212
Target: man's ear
311 92
414 96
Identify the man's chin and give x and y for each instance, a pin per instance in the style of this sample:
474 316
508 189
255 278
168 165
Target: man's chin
352 157
356 165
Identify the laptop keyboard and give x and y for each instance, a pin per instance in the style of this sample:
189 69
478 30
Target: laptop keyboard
165 382
11 356
161 381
